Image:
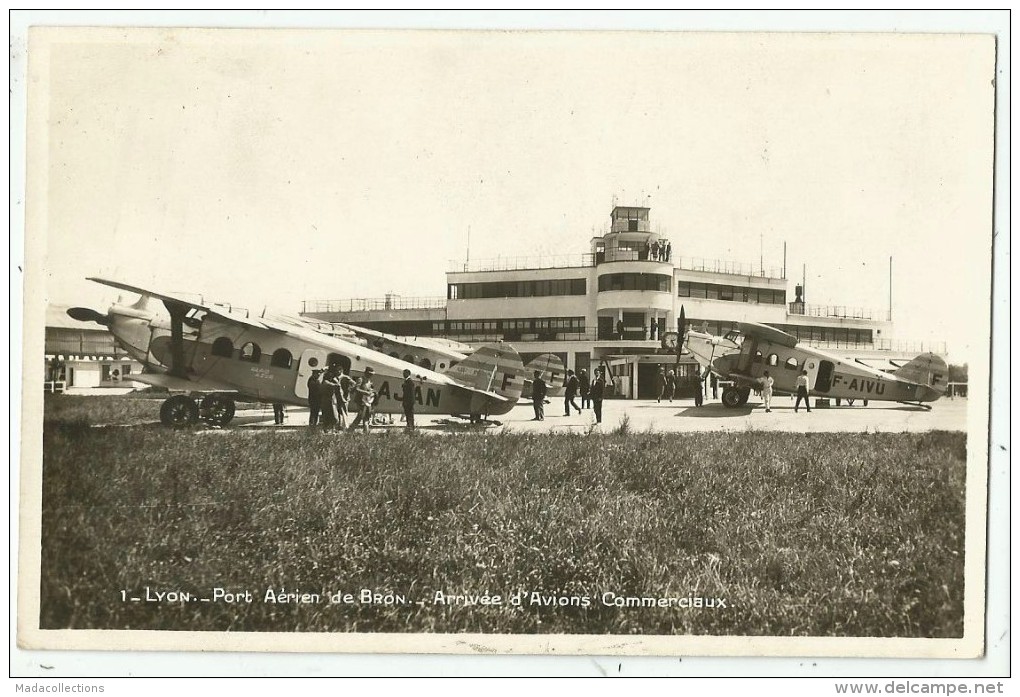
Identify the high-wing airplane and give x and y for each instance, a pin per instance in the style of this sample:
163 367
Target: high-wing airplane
226 354
743 356
442 354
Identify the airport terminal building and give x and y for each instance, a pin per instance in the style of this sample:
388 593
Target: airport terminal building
619 304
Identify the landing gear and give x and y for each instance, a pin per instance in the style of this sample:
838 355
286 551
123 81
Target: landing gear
217 410
179 411
733 397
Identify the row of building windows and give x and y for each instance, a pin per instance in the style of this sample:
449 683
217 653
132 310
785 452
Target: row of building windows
573 325
635 281
740 294
836 335
517 289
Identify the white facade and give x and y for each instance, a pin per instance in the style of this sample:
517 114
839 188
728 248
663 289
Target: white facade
615 303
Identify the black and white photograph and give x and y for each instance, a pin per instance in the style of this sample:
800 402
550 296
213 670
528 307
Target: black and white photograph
646 343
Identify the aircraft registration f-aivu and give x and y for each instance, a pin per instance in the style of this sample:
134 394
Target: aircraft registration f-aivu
743 356
224 354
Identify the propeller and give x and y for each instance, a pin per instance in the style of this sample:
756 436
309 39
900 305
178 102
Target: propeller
87 314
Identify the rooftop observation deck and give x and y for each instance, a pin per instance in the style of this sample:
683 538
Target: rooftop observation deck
839 312
392 302
570 261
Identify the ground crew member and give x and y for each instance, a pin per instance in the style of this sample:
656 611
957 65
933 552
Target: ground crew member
314 388
766 390
802 391
278 413
569 394
699 394
660 383
407 398
538 390
670 385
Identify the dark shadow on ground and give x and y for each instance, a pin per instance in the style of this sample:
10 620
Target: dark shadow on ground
718 411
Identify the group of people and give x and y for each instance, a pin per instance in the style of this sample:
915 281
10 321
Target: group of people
666 382
659 250
592 392
333 395
767 381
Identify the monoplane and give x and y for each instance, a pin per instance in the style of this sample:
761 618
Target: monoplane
742 357
218 354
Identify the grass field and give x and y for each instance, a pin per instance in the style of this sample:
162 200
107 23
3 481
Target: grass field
799 534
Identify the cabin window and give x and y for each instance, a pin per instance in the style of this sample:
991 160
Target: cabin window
773 359
791 363
426 364
282 358
313 361
223 347
251 352
757 357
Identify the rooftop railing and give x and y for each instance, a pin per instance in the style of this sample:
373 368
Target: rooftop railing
525 263
612 254
395 302
838 312
734 268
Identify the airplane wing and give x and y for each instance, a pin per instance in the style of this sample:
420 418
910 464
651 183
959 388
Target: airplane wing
762 331
215 310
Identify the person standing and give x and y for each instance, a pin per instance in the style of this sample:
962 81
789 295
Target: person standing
570 392
327 396
364 398
802 392
598 391
670 385
699 387
619 329
278 413
314 389
345 386
407 399
766 390
538 391
654 251
660 383
584 384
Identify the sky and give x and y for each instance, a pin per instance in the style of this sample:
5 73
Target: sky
270 167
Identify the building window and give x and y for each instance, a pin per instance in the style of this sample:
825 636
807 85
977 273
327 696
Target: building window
282 358
251 352
223 347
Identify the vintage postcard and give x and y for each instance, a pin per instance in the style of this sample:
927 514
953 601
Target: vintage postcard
530 342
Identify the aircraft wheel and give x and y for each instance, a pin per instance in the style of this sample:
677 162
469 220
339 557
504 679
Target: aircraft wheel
745 393
217 410
731 397
179 411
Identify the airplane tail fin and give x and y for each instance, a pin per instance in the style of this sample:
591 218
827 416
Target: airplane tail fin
553 372
492 368
927 370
